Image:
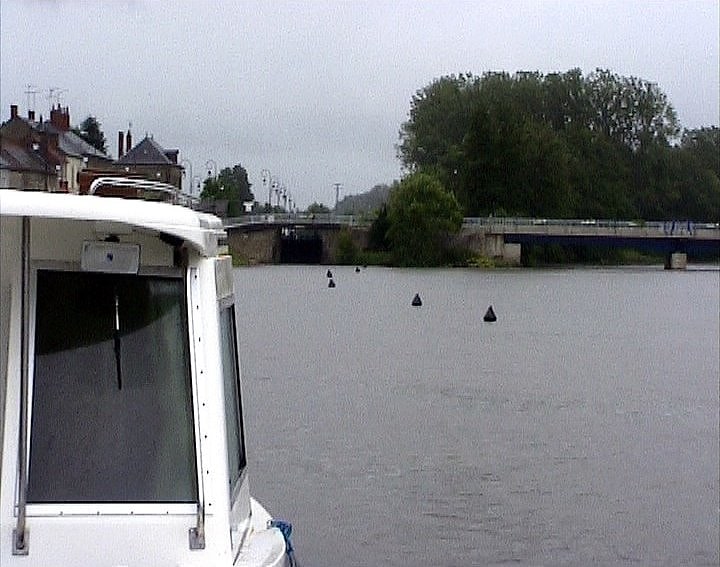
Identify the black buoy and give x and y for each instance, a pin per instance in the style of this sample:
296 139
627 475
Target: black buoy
490 316
416 302
329 274
357 269
331 283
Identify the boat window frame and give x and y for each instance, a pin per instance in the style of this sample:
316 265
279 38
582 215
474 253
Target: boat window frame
235 488
55 509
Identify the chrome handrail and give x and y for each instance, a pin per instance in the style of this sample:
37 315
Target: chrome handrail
20 536
144 185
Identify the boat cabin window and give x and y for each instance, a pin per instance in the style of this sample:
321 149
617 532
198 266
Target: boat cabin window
233 405
112 413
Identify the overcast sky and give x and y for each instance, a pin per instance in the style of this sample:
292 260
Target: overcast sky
316 91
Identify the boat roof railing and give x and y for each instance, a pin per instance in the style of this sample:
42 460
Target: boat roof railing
200 230
145 187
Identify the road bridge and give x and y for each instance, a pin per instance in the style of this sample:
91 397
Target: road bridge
263 238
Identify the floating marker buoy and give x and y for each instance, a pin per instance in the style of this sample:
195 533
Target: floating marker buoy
416 302
331 283
490 316
357 270
329 274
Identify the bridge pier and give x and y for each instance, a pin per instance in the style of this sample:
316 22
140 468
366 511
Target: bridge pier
480 241
676 261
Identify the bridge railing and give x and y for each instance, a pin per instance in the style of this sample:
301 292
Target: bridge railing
660 228
503 224
298 218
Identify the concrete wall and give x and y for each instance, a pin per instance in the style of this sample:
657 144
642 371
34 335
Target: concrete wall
476 239
261 245
257 246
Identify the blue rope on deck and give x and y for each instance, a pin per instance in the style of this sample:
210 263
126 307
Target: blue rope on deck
286 530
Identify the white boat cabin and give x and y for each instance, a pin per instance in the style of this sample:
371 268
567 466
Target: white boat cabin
121 426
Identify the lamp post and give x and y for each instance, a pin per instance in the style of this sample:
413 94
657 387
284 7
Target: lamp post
337 194
208 164
265 174
274 184
190 177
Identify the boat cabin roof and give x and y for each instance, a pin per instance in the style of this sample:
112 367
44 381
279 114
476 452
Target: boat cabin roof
199 230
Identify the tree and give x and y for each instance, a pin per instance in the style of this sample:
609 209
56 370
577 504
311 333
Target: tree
317 208
630 110
346 249
377 237
561 145
422 217
232 186
89 130
704 145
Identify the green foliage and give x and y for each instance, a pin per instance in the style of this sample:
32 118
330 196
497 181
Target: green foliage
561 145
346 249
704 145
90 131
374 258
317 209
422 217
378 239
230 185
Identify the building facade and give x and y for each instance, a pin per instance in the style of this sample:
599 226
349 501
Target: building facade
45 155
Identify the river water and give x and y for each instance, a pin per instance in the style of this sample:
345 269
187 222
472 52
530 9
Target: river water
581 427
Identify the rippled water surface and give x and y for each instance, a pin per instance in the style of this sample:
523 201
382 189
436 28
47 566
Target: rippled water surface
581 427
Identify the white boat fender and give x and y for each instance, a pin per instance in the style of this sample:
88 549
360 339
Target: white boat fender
286 531
490 316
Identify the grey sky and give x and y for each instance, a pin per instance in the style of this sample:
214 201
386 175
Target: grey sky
316 91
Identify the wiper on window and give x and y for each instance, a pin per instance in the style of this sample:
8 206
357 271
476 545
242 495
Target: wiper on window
116 339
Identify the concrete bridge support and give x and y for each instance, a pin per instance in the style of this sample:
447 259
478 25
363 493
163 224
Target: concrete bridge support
255 246
479 241
264 244
496 247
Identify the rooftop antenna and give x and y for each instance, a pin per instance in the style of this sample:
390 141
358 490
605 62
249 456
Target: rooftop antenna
31 91
55 95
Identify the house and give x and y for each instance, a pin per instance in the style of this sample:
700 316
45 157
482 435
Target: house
45 155
149 160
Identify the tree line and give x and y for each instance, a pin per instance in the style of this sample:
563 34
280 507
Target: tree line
562 145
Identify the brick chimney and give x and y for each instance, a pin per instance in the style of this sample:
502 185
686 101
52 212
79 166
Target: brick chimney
128 142
13 111
121 144
31 115
60 118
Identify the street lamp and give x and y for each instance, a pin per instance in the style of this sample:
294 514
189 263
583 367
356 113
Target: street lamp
337 194
211 162
265 173
273 187
190 177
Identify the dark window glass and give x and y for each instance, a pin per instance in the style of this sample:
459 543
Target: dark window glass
233 406
112 413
